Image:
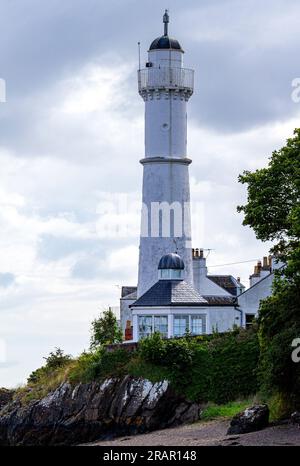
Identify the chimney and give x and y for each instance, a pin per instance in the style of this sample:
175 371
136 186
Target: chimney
238 279
270 261
201 253
258 266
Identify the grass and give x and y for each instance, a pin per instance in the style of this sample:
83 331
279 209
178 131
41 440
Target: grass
46 384
228 410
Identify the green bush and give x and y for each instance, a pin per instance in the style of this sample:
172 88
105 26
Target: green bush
234 365
217 368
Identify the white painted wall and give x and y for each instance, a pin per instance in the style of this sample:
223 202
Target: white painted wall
168 182
249 300
166 125
223 318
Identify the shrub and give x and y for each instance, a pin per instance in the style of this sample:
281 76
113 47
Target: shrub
56 360
217 368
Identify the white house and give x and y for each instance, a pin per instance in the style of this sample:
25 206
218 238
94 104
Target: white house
173 307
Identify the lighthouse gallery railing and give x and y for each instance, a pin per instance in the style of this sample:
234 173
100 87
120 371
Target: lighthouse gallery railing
165 78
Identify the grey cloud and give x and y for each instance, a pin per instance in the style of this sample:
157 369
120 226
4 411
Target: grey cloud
238 85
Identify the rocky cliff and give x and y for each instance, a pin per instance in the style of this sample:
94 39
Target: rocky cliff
86 412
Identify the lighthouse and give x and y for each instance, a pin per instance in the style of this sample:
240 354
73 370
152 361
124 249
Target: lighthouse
165 87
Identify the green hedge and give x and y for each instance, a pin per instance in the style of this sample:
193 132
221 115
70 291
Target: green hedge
219 368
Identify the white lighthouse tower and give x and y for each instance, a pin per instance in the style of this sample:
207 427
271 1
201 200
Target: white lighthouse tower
165 87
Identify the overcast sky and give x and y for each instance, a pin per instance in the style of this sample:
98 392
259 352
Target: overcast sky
71 136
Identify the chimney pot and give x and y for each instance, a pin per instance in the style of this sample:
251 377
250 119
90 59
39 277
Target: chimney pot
201 253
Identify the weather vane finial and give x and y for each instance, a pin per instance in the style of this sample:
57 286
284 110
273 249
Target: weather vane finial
166 22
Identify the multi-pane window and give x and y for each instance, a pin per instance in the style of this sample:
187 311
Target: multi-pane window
145 326
150 324
161 325
197 324
180 325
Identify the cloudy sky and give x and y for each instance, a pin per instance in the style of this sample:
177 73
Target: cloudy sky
71 136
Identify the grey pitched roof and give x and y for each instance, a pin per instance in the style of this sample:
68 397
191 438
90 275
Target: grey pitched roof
127 290
220 300
227 282
170 293
131 296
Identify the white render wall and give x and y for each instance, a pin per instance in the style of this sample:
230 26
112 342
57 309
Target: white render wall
223 318
249 300
166 181
166 125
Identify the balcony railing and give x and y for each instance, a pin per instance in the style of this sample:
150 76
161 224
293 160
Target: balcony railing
166 78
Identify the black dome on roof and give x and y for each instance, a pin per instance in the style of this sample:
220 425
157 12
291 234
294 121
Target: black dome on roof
171 261
165 42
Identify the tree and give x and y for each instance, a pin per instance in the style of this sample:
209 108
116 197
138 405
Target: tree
273 206
273 211
105 330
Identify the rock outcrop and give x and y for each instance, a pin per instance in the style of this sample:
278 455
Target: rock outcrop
6 396
250 420
86 412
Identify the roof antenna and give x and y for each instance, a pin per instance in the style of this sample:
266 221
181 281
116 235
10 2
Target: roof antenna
139 53
176 245
166 22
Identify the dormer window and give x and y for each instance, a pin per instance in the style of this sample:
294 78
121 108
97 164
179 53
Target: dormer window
171 267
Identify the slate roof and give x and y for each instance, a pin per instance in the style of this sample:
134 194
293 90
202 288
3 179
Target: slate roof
170 293
171 261
132 296
220 300
165 42
128 290
227 282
